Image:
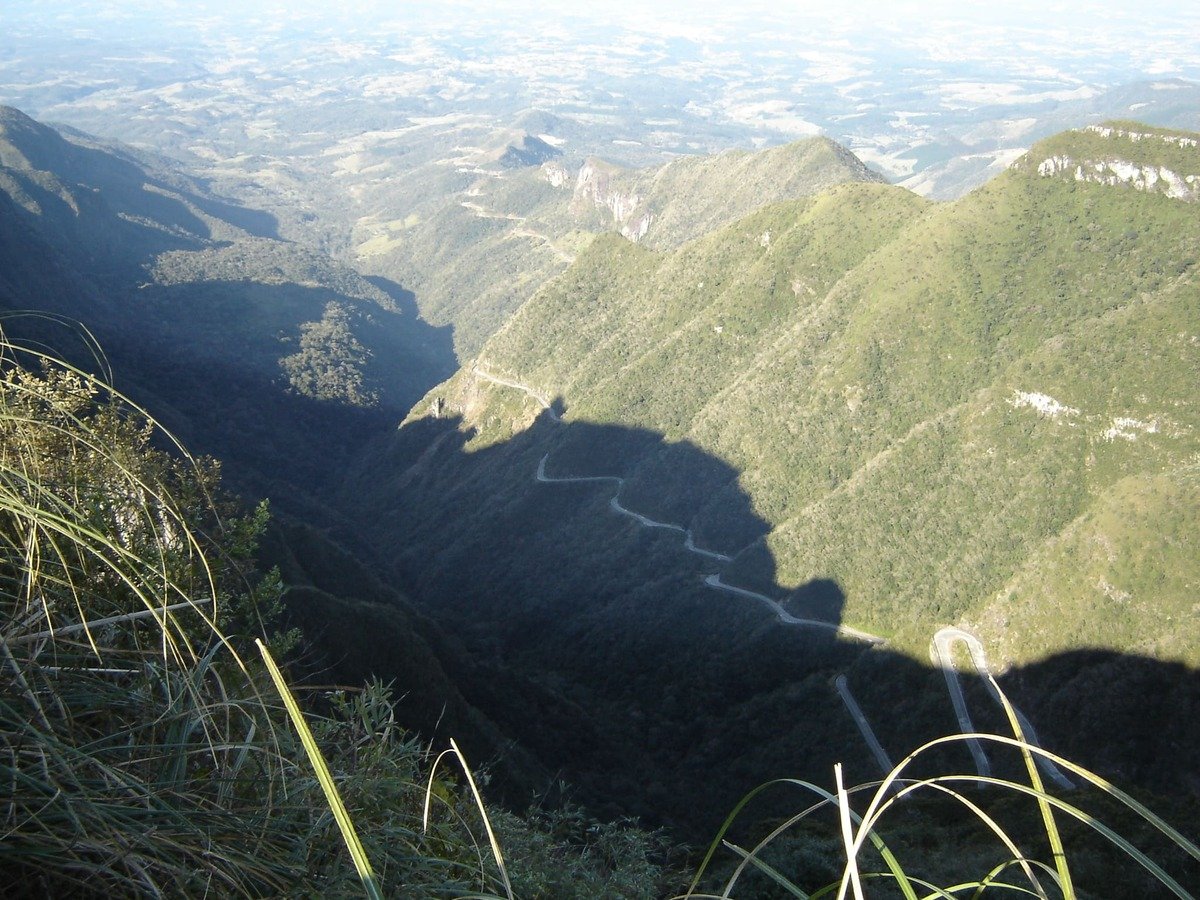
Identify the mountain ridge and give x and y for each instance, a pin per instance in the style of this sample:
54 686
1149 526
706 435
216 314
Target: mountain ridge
475 261
882 383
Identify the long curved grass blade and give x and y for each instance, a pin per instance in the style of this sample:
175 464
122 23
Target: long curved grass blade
1175 836
332 796
732 817
497 854
828 798
1018 858
943 893
989 880
79 329
1052 834
1091 821
851 875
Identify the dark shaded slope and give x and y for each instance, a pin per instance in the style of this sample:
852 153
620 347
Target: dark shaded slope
646 688
357 628
274 357
682 697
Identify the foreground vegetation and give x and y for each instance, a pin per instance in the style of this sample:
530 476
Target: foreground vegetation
145 752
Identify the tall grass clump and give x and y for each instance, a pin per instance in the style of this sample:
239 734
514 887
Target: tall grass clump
123 747
144 749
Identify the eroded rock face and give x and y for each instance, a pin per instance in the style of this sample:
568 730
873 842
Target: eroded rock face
1179 140
1126 171
556 173
595 186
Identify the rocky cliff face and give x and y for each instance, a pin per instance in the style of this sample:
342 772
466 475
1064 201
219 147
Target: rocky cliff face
691 196
1125 157
598 186
556 174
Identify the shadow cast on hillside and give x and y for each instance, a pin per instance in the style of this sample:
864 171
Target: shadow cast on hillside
107 208
230 361
657 694
218 364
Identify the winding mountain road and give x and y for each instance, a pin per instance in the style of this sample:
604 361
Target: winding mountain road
881 758
941 654
940 648
714 581
516 385
615 504
482 212
647 522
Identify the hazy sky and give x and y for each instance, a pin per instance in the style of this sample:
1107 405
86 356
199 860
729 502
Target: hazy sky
905 15
890 78
1166 27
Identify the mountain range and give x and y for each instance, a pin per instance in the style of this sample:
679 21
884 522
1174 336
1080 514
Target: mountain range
837 346
628 477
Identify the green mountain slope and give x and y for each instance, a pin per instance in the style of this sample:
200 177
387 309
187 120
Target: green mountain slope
474 259
920 401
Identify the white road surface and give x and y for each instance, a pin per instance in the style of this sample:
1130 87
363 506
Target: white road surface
881 758
941 653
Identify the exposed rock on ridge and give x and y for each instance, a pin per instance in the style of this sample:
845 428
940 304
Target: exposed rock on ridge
691 196
1140 165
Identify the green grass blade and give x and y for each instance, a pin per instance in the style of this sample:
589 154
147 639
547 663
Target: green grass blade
990 881
332 796
1052 834
851 876
1018 858
497 854
770 871
737 811
1091 821
1175 836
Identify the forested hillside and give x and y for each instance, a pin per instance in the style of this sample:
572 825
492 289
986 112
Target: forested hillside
472 262
889 414
956 387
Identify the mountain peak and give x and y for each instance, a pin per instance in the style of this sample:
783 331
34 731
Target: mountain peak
11 117
531 151
27 144
690 196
